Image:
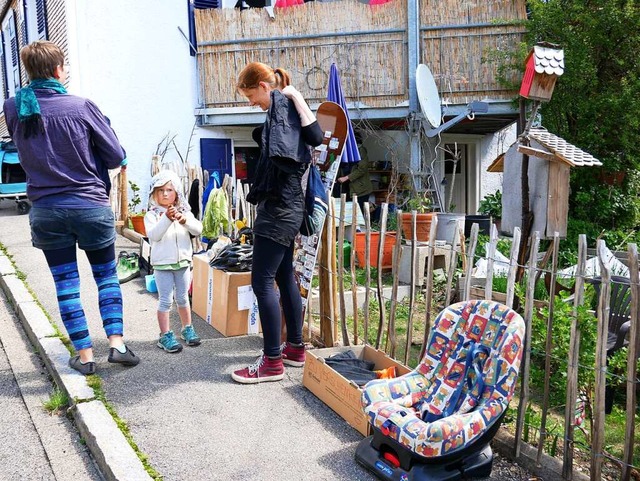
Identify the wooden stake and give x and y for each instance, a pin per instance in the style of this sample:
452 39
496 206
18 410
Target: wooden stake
352 265
367 268
383 229
572 365
394 290
473 241
526 358
633 352
428 297
548 347
340 268
597 441
412 288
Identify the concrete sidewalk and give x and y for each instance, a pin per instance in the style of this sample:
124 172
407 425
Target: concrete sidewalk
183 411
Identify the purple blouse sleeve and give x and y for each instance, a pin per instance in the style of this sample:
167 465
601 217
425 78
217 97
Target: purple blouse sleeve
103 137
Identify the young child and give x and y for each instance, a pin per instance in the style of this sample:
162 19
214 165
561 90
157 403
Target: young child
168 223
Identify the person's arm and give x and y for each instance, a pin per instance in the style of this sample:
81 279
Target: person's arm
358 171
104 138
156 225
305 113
189 221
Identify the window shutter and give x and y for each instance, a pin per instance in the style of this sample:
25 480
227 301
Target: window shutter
206 4
23 23
3 69
41 15
14 75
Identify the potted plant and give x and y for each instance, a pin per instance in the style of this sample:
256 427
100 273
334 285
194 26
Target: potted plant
422 204
136 217
491 205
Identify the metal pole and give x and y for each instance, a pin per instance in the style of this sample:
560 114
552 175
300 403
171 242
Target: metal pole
415 119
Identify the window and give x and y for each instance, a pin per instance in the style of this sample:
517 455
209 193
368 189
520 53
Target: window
35 20
11 60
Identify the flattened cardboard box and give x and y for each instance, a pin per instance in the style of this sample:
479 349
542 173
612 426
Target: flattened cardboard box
224 299
337 392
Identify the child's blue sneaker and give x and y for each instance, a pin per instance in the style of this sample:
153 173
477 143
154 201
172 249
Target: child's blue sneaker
169 343
188 335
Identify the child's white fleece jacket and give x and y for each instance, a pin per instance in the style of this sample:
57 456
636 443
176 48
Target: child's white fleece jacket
170 241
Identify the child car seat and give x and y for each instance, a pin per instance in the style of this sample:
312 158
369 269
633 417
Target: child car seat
445 411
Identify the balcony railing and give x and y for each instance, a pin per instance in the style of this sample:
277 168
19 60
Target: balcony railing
368 44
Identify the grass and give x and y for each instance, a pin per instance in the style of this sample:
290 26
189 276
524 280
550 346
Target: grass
95 383
58 401
554 443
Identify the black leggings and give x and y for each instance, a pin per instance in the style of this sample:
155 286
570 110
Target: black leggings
274 262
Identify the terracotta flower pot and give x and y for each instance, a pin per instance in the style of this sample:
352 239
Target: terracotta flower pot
387 251
137 221
423 225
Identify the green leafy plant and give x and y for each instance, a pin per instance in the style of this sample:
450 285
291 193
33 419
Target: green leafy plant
135 200
491 205
420 202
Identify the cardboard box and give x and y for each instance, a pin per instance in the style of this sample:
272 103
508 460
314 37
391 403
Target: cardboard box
337 392
224 299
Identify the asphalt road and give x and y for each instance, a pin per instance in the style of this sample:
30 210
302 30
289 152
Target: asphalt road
183 410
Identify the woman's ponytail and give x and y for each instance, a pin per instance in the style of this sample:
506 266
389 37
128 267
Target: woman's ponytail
283 79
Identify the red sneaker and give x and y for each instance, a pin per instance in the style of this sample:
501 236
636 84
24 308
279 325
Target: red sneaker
264 369
292 355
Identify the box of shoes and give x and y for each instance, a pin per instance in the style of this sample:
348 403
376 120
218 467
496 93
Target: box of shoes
224 299
342 394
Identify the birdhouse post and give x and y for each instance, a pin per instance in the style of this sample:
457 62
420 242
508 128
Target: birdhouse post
544 64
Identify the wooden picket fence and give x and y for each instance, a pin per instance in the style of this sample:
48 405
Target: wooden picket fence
329 311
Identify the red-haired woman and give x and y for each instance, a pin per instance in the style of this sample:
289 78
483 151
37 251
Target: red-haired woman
284 139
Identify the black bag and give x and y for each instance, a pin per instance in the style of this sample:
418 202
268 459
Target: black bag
315 203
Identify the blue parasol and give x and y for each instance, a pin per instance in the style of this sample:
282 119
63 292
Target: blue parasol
335 94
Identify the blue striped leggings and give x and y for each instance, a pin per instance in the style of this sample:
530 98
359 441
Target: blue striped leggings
64 269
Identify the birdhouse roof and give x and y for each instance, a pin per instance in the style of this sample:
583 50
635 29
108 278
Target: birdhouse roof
497 165
548 60
563 150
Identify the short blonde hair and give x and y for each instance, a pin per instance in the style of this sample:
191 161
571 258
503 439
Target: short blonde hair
41 58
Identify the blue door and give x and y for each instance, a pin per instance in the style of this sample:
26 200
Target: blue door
216 156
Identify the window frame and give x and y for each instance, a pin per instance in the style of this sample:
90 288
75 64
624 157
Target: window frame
11 72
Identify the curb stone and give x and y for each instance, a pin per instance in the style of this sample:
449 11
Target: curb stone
107 443
113 455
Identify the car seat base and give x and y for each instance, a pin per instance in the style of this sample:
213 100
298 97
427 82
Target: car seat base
384 462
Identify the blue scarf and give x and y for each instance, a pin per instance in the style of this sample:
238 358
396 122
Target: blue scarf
28 107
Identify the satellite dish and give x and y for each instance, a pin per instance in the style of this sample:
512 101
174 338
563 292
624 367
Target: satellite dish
428 96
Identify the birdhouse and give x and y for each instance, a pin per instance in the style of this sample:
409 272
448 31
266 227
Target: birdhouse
544 64
550 160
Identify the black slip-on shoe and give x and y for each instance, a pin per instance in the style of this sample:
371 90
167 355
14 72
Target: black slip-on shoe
126 359
86 368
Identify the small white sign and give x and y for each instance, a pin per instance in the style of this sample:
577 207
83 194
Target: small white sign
333 143
245 297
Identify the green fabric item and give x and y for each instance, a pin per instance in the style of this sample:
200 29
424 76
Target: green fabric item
172 267
215 217
26 101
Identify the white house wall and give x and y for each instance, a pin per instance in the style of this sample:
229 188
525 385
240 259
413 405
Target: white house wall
492 146
131 59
